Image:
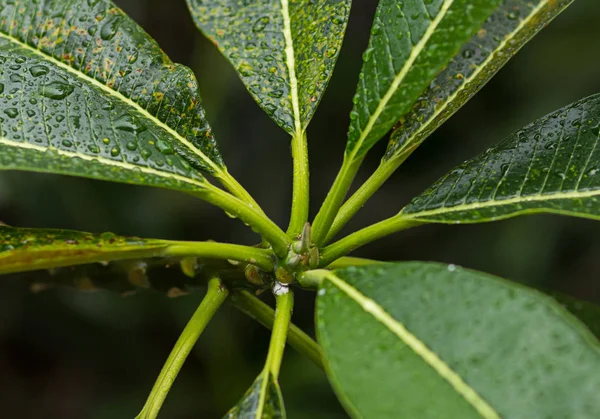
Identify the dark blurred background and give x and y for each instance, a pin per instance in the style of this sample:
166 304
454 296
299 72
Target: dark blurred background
68 354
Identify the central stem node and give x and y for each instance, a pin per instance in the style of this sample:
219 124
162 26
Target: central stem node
302 256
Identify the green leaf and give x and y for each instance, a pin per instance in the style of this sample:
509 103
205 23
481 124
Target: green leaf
85 91
262 401
588 313
510 27
552 165
283 50
24 249
411 42
426 340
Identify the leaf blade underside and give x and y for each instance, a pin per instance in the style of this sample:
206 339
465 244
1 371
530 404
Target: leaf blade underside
429 340
284 51
550 165
88 82
410 44
509 27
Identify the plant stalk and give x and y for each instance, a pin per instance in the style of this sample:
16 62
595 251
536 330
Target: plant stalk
334 199
363 194
355 240
211 250
250 216
262 313
284 304
300 199
236 189
215 296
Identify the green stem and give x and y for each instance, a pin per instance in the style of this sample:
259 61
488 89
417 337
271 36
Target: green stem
232 185
334 199
262 313
284 304
260 257
300 199
249 215
363 194
215 296
364 236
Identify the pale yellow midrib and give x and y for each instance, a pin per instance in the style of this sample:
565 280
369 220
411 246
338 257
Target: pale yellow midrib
105 161
291 64
501 202
414 54
118 96
418 347
475 74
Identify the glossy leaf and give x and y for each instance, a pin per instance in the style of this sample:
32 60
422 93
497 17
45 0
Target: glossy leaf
23 249
85 91
262 401
411 42
283 50
512 25
552 165
426 340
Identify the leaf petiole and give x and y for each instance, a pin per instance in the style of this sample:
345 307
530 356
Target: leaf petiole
262 313
215 296
364 193
251 216
300 199
284 304
211 250
334 199
364 236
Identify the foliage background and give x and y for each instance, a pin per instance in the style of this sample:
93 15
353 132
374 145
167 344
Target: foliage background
66 354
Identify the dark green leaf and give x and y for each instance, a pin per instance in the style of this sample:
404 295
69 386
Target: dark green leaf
262 401
552 165
411 42
24 249
284 51
85 91
510 27
426 340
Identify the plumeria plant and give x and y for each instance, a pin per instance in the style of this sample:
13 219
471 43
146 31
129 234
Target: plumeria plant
84 91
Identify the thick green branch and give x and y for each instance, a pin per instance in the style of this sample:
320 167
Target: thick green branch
251 216
261 312
300 199
334 199
364 236
215 296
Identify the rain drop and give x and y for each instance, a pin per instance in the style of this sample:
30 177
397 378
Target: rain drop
163 146
57 90
110 28
246 70
128 123
12 112
261 24
367 55
38 70
115 151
